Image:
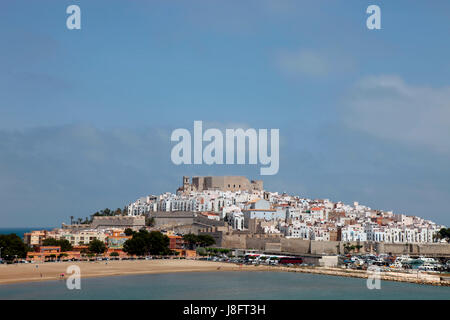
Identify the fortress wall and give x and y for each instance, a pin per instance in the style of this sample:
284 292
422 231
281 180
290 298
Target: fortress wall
234 241
413 249
172 219
325 247
434 249
224 183
118 221
273 247
298 246
258 243
395 249
295 245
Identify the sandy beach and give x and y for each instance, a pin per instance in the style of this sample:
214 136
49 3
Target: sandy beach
52 271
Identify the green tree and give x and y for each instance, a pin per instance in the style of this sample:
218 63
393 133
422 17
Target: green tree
62 255
12 246
63 243
129 232
191 240
149 221
136 245
158 243
202 252
205 240
143 243
96 246
444 233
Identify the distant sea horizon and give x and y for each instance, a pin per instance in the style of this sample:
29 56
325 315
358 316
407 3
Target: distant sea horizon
21 231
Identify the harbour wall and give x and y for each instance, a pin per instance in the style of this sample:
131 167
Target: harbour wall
297 246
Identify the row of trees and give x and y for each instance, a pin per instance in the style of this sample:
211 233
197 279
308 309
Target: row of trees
63 243
444 233
147 243
212 251
11 247
95 246
102 213
349 248
155 243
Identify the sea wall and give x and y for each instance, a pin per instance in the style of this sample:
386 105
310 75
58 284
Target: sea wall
414 249
272 243
118 222
234 241
172 219
296 246
325 247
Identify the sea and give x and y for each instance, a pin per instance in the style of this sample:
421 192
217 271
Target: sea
223 286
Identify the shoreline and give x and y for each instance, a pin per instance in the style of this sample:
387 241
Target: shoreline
27 273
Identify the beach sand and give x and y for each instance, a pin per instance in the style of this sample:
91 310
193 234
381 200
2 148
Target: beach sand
52 271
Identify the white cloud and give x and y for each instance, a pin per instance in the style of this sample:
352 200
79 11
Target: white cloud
306 62
324 62
387 107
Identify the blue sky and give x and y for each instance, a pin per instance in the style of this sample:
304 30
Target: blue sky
86 115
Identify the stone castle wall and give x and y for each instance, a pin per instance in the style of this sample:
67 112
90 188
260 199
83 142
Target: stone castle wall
118 222
298 246
224 183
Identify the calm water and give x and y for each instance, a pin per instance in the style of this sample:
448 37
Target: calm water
223 285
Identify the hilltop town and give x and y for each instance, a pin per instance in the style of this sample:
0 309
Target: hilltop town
244 205
234 213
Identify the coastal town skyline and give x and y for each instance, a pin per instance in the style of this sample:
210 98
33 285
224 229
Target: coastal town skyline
235 223
244 205
196 193
226 159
